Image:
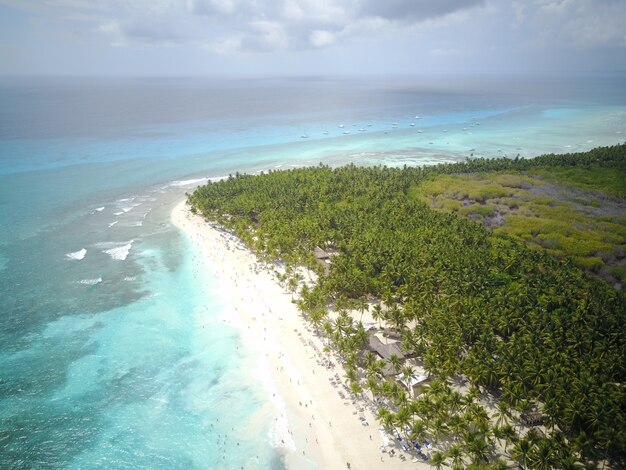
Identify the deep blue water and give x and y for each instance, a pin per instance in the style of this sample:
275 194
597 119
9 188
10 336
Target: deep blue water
120 359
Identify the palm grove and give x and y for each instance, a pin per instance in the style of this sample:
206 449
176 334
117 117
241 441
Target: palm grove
531 331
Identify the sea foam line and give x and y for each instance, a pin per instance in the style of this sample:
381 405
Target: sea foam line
188 182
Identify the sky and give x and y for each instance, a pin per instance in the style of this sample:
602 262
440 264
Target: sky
310 37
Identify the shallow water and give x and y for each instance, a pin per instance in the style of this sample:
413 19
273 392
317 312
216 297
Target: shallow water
114 351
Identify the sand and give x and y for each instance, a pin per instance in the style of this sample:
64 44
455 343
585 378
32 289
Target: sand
323 426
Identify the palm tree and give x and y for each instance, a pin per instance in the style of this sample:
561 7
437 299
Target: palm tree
507 433
479 449
361 306
368 359
317 317
418 430
372 385
455 452
355 388
541 456
377 313
569 462
521 450
503 414
395 362
376 368
408 374
398 394
437 459
386 418
403 419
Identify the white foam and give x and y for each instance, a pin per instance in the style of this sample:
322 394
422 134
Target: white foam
136 224
77 255
130 278
278 434
90 282
120 252
113 223
118 213
99 209
189 182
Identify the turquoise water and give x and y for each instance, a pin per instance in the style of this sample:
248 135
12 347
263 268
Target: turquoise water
114 352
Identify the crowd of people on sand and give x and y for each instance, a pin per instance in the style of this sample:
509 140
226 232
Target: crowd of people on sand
325 360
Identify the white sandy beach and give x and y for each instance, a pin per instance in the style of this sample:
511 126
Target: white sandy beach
321 422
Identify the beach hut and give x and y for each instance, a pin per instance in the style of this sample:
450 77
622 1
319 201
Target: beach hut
416 385
321 254
385 351
323 258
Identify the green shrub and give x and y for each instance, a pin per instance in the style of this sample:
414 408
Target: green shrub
592 263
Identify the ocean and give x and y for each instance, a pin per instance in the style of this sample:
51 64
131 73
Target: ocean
115 348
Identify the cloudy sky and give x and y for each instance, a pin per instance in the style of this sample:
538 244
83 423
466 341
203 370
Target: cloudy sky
310 37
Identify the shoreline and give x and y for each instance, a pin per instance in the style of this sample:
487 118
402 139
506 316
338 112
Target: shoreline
321 425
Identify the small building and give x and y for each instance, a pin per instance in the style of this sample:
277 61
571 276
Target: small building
323 258
385 351
321 254
532 418
416 385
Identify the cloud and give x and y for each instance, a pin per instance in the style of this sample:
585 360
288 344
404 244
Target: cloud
265 26
414 10
581 23
212 7
247 25
321 38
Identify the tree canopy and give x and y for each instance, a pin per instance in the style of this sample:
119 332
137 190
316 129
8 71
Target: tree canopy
514 320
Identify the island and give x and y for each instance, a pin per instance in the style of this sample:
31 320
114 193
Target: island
468 314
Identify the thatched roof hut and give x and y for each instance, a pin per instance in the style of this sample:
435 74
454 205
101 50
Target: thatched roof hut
322 258
384 350
320 254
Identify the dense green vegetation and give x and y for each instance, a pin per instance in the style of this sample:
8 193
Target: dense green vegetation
587 225
519 324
